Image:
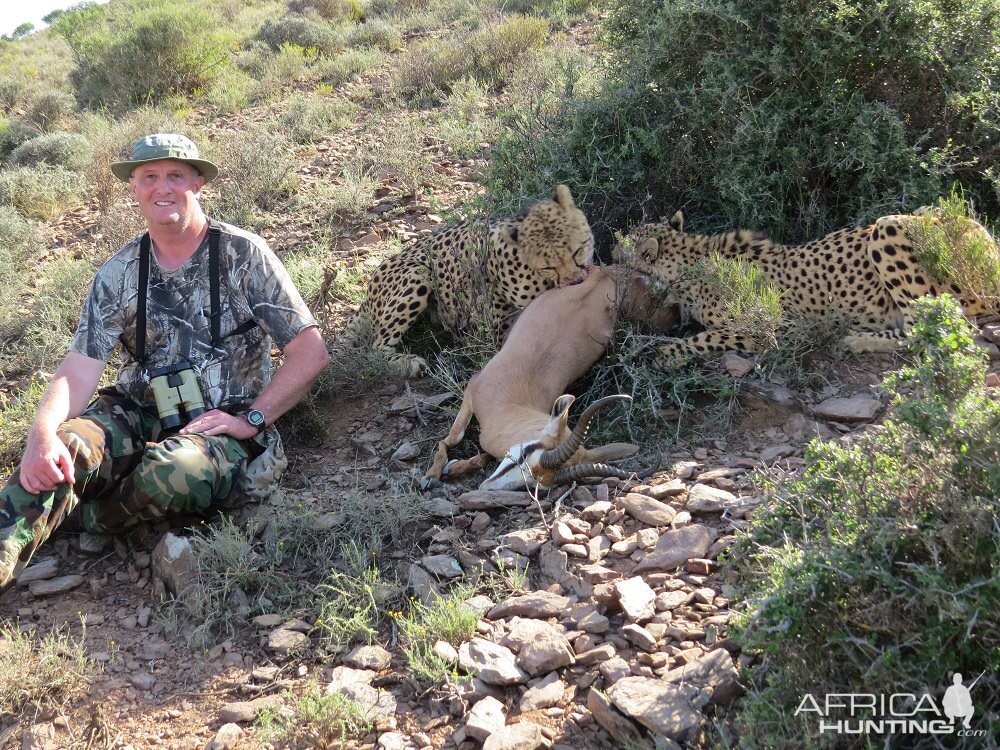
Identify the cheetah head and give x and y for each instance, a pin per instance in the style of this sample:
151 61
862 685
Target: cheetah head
553 239
655 248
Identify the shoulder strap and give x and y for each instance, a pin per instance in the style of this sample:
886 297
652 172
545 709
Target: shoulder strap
140 310
214 236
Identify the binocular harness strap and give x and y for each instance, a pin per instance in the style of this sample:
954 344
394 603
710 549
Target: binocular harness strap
214 236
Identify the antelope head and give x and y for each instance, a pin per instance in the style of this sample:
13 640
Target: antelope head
555 457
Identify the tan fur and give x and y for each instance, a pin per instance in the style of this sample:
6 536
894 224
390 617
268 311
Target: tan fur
519 396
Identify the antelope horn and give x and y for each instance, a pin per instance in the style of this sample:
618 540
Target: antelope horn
556 457
581 471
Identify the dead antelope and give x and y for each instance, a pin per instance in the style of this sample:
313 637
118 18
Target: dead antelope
519 397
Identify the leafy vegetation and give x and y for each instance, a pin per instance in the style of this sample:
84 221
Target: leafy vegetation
40 673
879 565
793 123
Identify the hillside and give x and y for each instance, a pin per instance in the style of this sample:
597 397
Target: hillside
355 610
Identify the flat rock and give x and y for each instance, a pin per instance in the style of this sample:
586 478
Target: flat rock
486 718
775 452
406 452
285 641
613 670
858 408
141 681
593 622
490 662
422 584
244 712
672 488
524 541
548 692
524 735
636 598
611 719
442 566
93 544
445 652
537 604
659 706
540 647
369 657
372 701
647 509
736 365
59 585
714 670
39 571
173 563
341 677
393 741
268 621
226 738
596 510
491 499
441 507
706 499
675 548
639 636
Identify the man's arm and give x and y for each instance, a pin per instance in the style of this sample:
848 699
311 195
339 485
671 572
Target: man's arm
305 358
46 461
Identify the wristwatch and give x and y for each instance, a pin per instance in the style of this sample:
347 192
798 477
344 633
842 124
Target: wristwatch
255 417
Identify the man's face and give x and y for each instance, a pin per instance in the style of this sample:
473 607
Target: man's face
166 191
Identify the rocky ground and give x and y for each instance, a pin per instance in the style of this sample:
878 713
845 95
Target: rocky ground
621 631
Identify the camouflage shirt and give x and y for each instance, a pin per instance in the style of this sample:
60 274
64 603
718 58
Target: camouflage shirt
253 285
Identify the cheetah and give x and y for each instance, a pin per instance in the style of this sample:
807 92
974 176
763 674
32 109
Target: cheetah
870 273
513 260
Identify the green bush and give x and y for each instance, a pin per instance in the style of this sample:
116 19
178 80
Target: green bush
376 32
489 55
302 32
41 192
69 150
144 52
12 134
49 110
955 249
331 10
257 176
794 123
12 92
348 65
878 569
311 118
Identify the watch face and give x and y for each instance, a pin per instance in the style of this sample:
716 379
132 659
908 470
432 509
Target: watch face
255 417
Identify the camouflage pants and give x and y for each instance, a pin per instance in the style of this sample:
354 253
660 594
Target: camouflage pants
127 471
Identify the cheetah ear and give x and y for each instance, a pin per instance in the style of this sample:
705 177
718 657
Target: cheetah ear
649 248
677 221
564 198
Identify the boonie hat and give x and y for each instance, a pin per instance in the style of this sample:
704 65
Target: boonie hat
165 146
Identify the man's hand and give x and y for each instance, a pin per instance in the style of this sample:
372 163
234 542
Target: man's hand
216 422
46 464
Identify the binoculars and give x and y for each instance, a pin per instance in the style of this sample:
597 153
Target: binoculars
176 387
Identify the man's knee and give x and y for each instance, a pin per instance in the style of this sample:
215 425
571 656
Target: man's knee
86 442
188 473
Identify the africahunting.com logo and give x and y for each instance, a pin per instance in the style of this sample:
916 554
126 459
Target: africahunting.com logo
895 713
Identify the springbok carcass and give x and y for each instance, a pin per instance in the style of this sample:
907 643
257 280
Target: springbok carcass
519 397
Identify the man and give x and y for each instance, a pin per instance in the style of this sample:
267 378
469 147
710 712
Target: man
191 329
